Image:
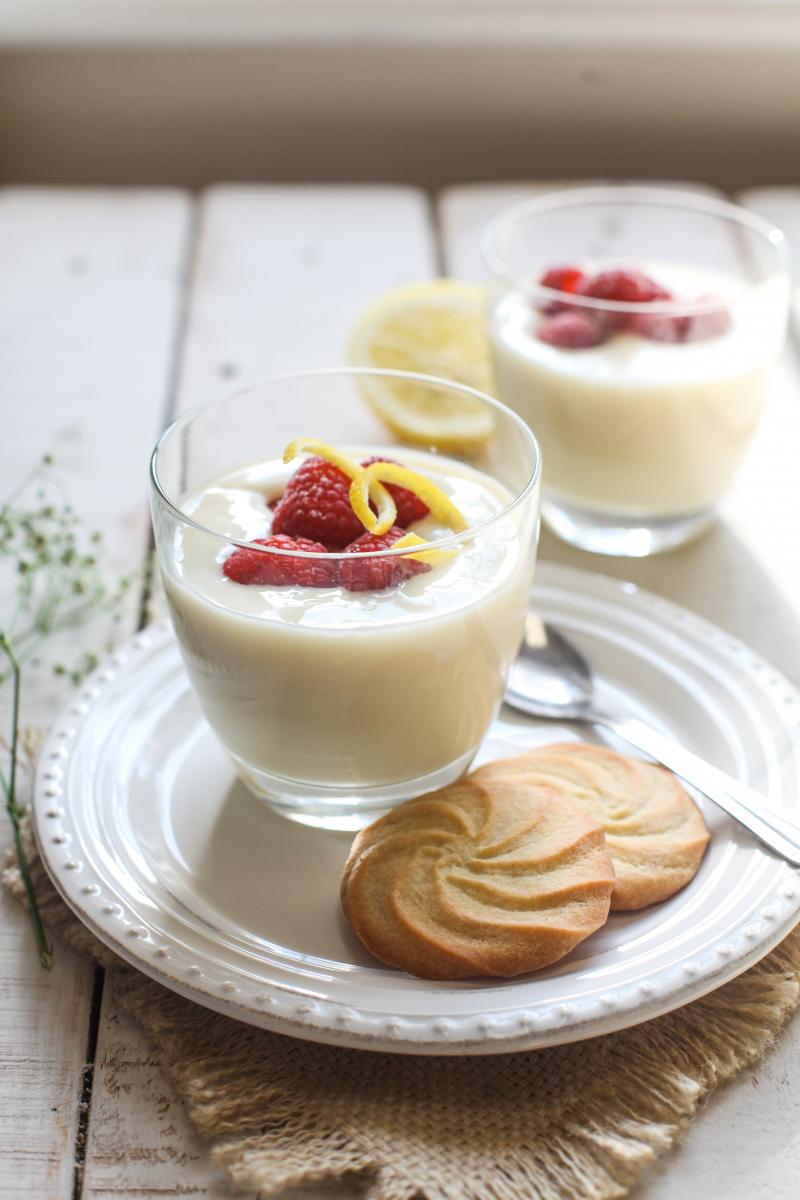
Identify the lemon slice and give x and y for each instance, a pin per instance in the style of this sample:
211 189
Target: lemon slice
434 328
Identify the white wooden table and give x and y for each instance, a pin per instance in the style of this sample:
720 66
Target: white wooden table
118 308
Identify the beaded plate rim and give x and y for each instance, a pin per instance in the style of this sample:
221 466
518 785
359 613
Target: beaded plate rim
276 1008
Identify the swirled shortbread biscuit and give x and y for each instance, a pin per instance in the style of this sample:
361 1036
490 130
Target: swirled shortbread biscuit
478 880
654 830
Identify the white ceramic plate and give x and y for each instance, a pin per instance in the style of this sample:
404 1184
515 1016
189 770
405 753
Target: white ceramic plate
174 865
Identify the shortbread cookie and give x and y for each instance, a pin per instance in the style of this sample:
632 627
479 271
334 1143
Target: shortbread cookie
654 830
478 880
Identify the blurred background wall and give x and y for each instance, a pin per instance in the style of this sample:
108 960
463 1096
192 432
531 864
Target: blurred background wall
194 91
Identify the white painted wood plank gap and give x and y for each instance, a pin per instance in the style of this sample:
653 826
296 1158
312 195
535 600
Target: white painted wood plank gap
91 286
141 1142
90 292
280 275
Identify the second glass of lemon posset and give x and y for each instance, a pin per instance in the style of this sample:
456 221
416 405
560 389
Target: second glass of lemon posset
634 330
342 672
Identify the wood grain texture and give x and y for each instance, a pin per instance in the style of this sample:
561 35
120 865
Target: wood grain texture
90 286
280 274
140 1140
744 574
272 268
90 295
44 1031
746 1145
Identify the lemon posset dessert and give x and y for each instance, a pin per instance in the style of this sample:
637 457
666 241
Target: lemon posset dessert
645 413
322 661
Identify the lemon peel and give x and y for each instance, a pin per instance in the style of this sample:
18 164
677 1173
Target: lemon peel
433 557
363 488
304 445
438 502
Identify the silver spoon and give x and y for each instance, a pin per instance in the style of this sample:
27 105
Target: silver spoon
552 679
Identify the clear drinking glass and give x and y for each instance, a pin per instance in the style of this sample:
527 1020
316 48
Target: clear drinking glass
643 410
333 703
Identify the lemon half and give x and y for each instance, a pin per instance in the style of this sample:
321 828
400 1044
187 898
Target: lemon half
433 328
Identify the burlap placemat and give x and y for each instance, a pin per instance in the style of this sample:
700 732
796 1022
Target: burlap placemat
577 1122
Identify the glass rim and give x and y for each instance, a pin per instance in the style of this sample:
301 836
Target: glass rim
452 540
694 202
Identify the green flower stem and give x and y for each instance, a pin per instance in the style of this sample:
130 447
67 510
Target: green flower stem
16 812
61 582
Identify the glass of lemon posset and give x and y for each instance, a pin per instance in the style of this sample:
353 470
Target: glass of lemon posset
347 605
634 329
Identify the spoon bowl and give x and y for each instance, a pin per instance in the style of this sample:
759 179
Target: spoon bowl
550 677
552 680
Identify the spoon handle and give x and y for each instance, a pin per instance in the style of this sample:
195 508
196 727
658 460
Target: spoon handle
743 803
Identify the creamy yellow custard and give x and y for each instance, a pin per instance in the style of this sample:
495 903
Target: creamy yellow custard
639 426
332 688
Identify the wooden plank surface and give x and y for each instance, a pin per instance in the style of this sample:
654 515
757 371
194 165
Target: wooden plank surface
280 274
90 294
141 1142
90 288
463 212
744 574
241 328
746 1144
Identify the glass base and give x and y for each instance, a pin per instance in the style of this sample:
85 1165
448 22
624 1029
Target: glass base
341 808
626 537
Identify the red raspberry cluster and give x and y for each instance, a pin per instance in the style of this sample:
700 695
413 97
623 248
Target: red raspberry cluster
576 327
314 515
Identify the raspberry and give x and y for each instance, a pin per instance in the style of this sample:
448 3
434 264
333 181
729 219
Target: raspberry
664 328
409 506
709 324
572 331
375 574
316 505
659 327
628 287
252 566
560 279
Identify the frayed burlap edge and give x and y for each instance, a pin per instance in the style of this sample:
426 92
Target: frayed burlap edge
576 1122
